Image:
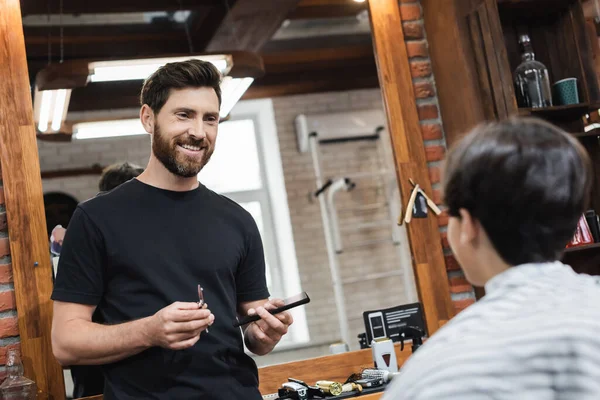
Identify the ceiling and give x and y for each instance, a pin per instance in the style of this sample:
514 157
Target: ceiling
307 46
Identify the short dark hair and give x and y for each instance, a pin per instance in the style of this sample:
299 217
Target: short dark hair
179 75
116 174
526 181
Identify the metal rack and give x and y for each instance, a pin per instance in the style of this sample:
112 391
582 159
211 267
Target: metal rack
328 190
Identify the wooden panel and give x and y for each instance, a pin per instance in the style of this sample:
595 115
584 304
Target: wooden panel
585 52
32 271
336 367
250 24
454 66
594 45
409 152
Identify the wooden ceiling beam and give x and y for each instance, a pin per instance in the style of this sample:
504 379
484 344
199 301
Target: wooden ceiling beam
40 7
250 24
317 42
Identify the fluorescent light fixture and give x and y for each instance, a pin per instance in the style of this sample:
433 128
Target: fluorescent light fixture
232 89
122 70
104 129
50 109
51 106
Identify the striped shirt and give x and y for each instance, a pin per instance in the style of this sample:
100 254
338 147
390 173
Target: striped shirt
535 335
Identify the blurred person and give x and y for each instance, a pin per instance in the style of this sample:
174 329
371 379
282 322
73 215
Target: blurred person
515 191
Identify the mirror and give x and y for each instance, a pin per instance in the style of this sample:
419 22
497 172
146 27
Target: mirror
319 64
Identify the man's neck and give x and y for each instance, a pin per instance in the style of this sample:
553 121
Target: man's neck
494 264
158 176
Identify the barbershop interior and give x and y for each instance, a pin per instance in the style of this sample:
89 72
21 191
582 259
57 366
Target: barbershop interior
334 118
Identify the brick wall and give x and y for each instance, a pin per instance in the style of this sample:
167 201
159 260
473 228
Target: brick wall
9 331
338 160
433 133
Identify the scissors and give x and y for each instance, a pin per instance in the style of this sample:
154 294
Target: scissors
201 301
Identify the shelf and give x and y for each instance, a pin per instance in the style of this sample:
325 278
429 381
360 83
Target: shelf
583 248
592 132
560 113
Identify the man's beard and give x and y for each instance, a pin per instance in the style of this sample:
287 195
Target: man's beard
179 164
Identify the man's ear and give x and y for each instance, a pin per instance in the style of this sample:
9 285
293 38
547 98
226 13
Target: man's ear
469 227
147 118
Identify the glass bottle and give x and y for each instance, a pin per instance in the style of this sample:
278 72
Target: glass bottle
532 82
16 386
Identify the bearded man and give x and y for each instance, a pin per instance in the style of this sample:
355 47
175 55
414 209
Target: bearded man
139 254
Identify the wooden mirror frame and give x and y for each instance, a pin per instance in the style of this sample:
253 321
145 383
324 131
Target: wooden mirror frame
32 270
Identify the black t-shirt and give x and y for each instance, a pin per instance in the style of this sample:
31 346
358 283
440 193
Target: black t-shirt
138 249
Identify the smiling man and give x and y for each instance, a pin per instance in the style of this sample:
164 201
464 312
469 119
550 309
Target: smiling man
138 254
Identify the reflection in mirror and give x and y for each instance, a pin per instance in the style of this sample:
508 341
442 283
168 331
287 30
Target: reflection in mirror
319 63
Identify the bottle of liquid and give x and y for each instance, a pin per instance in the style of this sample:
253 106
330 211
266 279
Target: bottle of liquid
16 386
532 82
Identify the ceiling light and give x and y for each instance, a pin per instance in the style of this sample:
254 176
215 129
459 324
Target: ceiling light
359 1
55 82
50 109
232 90
104 129
122 70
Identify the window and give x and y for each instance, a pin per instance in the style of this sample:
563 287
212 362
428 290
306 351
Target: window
246 167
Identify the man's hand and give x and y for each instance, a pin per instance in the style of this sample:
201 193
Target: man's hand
262 335
179 325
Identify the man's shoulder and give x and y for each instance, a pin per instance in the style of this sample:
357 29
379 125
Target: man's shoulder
230 208
116 202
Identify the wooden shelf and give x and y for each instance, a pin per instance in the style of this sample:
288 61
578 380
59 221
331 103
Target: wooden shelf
560 113
583 248
590 133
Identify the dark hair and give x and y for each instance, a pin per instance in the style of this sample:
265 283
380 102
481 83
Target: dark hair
526 181
116 174
179 75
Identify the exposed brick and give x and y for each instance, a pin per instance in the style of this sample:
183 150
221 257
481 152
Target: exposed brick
8 327
4 247
3 221
434 175
443 218
7 300
431 132
420 69
410 12
428 111
460 285
434 153
417 49
424 90
451 263
4 351
6 275
460 305
437 196
413 30
445 243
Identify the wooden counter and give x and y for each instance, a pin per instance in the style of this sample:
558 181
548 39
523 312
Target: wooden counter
333 367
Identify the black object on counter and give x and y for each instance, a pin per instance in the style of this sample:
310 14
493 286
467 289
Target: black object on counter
594 224
362 341
387 323
414 333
